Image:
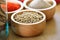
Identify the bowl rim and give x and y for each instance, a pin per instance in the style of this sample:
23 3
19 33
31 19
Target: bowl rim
20 3
53 1
44 17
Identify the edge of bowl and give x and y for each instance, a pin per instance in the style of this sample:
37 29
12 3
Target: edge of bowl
17 9
44 17
54 4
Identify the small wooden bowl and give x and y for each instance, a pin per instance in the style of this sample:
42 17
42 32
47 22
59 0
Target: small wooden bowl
10 13
49 12
30 29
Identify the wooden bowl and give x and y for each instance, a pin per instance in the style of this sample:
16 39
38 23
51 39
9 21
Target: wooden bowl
10 13
49 12
29 29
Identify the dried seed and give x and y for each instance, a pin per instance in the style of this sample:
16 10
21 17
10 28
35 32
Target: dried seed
28 17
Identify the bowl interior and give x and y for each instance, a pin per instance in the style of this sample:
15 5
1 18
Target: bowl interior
53 4
20 12
20 3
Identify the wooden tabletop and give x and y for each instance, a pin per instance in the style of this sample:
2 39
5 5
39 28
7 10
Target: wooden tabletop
52 31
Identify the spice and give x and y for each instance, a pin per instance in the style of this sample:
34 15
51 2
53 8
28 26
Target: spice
12 6
39 4
21 0
28 17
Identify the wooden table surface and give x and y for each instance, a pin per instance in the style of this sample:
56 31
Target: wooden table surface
52 31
